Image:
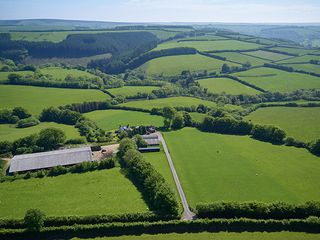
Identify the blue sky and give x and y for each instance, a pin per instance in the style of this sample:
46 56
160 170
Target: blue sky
267 11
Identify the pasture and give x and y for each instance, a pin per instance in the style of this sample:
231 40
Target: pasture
305 67
61 73
222 236
242 58
299 51
111 119
93 193
226 85
128 91
197 117
301 123
206 46
174 65
34 99
10 133
277 80
268 55
4 75
215 167
300 59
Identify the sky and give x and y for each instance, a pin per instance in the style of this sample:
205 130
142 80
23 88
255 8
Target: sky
234 11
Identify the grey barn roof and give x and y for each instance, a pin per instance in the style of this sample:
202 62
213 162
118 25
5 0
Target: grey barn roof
42 160
151 139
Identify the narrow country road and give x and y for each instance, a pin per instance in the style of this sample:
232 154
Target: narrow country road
187 214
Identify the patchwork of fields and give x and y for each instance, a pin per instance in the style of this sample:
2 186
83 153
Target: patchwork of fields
242 58
215 167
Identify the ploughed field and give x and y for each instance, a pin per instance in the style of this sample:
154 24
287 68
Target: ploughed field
215 167
93 193
301 123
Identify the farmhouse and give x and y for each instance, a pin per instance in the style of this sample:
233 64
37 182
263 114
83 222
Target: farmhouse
36 161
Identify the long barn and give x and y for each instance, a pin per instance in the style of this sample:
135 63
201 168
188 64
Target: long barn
43 160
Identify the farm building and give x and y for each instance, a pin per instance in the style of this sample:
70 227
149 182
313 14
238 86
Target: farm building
153 143
43 160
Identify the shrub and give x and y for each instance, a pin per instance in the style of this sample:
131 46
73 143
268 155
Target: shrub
27 122
177 121
51 138
76 141
20 112
34 220
268 133
315 147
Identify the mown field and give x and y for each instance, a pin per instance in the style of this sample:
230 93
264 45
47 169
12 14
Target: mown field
305 67
226 85
242 58
34 99
61 73
174 65
268 55
128 91
210 45
112 119
10 133
301 123
277 80
98 192
4 75
222 236
214 167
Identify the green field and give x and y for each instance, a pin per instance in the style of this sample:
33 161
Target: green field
268 55
204 38
174 65
210 45
128 91
111 119
10 133
4 75
305 67
277 80
301 123
197 117
301 59
242 58
61 73
214 167
93 193
222 236
35 99
226 85
300 51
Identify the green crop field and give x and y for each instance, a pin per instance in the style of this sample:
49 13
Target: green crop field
111 119
4 75
214 167
277 80
35 99
242 58
10 132
128 91
174 65
221 236
305 67
226 85
300 51
300 59
61 73
268 55
301 123
93 193
210 45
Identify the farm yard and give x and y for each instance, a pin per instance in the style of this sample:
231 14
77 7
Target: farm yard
209 163
300 123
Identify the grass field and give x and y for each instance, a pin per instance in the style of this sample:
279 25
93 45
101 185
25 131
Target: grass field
174 65
210 45
128 91
222 236
299 51
35 99
306 67
300 123
301 59
226 85
10 132
242 59
4 75
111 119
61 73
214 167
198 117
268 55
277 80
98 192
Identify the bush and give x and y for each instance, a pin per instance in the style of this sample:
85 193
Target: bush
177 121
315 147
27 122
51 138
76 141
290 141
34 220
268 133
20 112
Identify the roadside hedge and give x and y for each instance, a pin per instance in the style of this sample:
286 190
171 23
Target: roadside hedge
258 210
